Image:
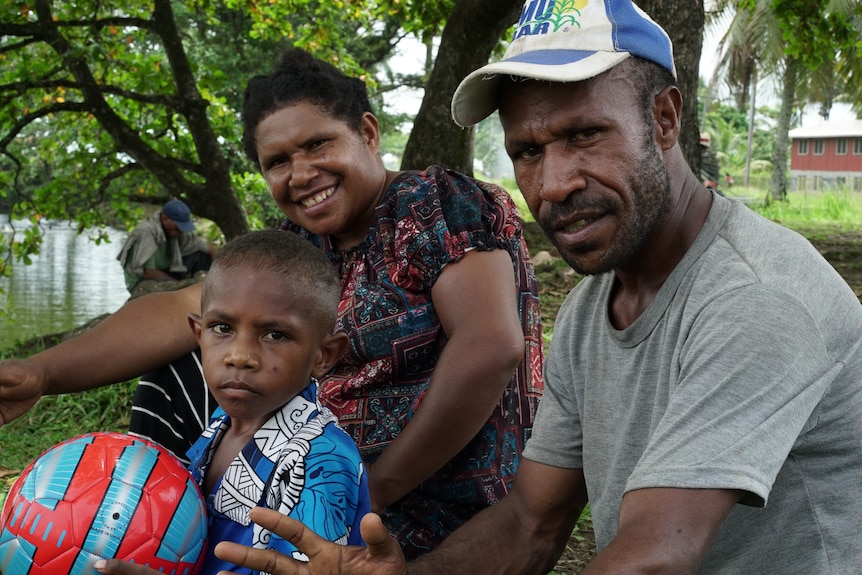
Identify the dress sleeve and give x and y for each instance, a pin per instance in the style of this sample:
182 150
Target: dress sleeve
436 216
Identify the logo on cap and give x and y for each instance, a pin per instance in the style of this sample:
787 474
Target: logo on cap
539 16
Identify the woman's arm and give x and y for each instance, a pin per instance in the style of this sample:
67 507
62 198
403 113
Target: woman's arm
476 301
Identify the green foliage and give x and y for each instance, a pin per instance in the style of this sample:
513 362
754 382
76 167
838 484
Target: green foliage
353 34
106 105
816 32
261 211
98 109
60 417
728 131
841 210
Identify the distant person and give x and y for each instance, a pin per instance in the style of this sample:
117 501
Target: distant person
728 179
163 247
265 331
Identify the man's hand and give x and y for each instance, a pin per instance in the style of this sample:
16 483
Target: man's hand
22 383
382 556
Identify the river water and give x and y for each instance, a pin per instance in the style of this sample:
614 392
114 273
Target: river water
69 283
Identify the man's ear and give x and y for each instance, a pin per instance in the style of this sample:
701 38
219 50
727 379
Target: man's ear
195 324
667 110
332 347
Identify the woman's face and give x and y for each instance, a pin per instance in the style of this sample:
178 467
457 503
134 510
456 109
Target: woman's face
325 176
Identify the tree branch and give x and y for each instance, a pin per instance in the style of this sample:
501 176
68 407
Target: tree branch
18 45
40 113
159 100
124 136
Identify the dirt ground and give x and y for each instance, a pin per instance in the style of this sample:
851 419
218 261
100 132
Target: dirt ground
555 279
844 252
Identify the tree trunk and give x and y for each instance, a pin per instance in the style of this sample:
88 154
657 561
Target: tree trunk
684 21
751 110
215 197
472 31
778 182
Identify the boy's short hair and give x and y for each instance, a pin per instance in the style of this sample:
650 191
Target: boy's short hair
290 256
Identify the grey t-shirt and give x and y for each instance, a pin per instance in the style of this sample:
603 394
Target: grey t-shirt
744 373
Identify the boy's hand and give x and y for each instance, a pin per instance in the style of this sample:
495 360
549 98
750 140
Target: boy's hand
382 556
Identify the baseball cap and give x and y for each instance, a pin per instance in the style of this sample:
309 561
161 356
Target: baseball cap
564 41
181 215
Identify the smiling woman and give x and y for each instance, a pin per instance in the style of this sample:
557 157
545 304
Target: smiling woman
433 351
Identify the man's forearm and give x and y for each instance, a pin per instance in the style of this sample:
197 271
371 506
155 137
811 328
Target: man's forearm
501 542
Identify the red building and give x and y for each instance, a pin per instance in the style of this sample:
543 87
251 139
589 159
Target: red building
827 156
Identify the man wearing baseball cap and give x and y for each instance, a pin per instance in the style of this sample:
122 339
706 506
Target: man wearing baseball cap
163 247
703 387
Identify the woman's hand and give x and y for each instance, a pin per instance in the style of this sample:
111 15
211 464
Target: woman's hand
382 556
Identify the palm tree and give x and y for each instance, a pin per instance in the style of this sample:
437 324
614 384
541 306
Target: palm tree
751 48
789 39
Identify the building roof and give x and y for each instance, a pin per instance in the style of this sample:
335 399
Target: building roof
835 129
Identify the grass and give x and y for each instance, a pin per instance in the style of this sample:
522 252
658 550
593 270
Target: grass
813 213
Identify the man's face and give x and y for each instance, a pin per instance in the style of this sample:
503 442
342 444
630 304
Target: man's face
170 227
588 165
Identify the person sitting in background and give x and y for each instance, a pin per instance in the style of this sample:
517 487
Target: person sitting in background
163 247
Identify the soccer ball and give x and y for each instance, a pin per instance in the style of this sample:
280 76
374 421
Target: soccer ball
98 496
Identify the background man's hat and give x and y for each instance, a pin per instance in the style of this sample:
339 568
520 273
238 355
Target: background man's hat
181 215
564 41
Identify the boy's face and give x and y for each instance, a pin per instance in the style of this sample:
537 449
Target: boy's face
259 343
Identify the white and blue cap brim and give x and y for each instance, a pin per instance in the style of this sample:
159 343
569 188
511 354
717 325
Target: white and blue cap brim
598 37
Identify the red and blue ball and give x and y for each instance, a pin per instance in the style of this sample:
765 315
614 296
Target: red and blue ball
103 495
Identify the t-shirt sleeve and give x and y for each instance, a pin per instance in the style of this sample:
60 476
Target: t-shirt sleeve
557 439
752 372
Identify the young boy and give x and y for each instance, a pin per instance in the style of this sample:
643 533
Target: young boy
268 308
